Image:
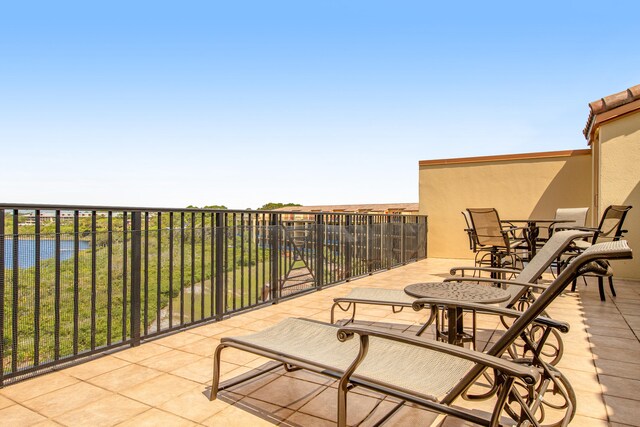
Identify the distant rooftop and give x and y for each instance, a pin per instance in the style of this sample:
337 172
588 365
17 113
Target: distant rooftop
610 107
371 207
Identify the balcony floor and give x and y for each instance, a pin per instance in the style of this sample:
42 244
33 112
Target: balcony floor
166 381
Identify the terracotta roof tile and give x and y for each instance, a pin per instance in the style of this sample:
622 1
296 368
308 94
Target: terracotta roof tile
609 103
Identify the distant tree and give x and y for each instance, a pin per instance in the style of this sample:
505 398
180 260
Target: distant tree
271 206
222 207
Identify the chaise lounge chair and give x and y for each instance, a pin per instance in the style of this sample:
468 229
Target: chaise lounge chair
426 372
524 280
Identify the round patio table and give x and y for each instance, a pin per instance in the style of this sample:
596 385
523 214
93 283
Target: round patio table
458 291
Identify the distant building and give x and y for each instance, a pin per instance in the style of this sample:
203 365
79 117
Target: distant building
370 208
50 216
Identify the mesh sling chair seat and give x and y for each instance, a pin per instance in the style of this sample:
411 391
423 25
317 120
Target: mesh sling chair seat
429 373
518 287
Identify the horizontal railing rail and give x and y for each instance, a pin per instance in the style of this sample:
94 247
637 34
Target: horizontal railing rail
80 280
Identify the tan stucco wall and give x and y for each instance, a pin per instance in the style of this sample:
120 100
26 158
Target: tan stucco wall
620 181
518 189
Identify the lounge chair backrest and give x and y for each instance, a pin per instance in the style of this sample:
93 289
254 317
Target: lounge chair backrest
580 265
583 263
557 244
610 226
487 227
577 216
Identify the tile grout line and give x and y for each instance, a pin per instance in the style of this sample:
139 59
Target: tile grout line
625 319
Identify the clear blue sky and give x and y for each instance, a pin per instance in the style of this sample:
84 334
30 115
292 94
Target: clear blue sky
317 102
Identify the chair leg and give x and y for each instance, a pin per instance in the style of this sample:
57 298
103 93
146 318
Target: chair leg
573 285
601 288
613 291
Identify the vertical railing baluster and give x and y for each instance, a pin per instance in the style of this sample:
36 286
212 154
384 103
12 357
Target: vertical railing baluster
274 227
323 241
369 244
233 274
202 259
242 260
76 279
403 247
2 293
14 294
56 303
146 273
36 300
170 270
93 278
385 244
249 259
159 273
319 249
340 248
125 319
193 266
109 276
181 268
257 255
225 261
219 267
136 264
424 236
212 256
263 243
348 246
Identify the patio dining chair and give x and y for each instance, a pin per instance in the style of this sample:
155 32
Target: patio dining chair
429 373
498 242
567 218
480 252
609 229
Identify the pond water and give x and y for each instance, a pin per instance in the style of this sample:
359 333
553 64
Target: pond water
27 251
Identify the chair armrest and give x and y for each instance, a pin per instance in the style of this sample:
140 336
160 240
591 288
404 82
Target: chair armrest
495 281
527 373
511 231
455 270
489 309
591 229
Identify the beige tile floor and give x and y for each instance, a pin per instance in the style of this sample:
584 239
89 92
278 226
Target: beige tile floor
166 381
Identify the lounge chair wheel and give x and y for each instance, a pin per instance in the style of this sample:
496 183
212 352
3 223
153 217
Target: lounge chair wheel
551 351
552 400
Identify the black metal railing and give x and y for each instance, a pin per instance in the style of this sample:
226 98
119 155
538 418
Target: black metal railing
78 280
